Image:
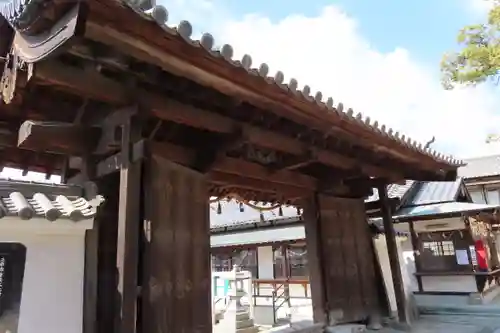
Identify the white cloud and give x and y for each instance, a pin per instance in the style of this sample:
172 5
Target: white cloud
480 7
328 53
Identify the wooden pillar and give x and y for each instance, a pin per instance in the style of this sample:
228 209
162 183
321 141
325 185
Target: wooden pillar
392 249
127 256
312 225
416 254
177 272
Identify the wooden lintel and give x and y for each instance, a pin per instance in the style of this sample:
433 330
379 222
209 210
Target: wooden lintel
57 137
225 171
298 162
104 89
288 191
235 167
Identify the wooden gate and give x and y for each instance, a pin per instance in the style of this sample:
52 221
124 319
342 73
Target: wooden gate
346 259
177 295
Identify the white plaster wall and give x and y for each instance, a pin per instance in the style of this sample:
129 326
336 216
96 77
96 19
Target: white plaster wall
439 225
461 283
266 265
383 257
434 283
52 296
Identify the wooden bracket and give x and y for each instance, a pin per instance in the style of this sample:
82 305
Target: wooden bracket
117 161
208 156
57 137
112 129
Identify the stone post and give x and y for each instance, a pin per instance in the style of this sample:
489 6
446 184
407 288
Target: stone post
236 317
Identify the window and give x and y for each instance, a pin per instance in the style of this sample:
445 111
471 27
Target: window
297 258
245 258
493 197
12 262
437 250
290 261
222 262
279 263
444 248
477 197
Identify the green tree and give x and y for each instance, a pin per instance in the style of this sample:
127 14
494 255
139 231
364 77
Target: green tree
478 59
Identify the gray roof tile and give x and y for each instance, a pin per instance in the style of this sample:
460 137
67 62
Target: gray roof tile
19 13
484 166
28 200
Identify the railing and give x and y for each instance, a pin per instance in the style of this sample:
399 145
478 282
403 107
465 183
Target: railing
280 292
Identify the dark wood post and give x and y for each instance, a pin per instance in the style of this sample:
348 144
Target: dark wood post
127 258
312 227
392 249
416 254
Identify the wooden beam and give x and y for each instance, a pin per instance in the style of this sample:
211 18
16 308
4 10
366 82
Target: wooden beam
225 171
104 89
36 161
57 137
235 166
127 256
392 249
209 154
290 191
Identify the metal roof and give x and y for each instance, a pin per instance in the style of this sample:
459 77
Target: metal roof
445 208
485 166
18 12
27 200
434 192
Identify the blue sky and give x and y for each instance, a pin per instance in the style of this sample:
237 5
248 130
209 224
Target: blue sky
379 57
426 27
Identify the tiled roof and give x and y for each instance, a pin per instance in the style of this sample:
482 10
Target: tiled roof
17 12
484 166
434 192
28 200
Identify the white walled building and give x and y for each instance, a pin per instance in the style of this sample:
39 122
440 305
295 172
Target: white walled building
42 256
273 247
